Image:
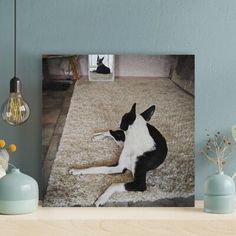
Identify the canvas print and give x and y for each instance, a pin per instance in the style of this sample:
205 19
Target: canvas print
118 130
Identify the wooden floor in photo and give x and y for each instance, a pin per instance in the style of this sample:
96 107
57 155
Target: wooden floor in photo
56 103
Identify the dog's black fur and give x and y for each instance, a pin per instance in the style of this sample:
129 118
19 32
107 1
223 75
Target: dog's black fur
101 68
150 159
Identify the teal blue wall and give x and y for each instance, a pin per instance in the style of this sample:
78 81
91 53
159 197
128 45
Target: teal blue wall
205 28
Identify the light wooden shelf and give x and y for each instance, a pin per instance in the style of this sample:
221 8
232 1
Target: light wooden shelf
119 221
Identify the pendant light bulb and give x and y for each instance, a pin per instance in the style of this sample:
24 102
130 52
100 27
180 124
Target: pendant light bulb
15 110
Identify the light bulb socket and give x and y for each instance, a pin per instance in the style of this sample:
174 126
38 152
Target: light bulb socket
15 85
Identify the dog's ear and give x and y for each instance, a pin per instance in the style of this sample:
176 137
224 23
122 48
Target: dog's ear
102 58
133 109
128 118
148 113
97 58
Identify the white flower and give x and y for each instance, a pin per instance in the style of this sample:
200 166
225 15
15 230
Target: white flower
2 172
4 159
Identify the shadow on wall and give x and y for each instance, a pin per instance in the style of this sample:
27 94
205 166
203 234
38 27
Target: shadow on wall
183 73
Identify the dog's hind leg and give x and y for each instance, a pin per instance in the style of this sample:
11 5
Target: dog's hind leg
139 184
114 188
98 170
118 136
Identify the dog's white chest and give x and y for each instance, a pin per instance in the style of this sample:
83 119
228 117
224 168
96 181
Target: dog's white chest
137 142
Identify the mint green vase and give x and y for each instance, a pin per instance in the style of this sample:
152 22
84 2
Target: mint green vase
219 194
18 193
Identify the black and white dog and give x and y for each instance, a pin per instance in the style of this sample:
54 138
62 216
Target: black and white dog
144 149
101 68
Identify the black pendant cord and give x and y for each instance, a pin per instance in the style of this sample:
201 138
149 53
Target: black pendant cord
14 82
14 38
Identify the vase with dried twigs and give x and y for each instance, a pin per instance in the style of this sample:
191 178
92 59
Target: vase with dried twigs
219 189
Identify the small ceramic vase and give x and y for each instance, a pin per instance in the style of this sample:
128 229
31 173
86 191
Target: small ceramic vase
219 194
18 193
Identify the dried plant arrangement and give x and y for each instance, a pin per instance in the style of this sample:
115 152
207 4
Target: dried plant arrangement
217 149
234 138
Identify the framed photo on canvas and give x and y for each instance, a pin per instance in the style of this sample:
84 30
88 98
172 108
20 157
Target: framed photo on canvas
127 143
101 67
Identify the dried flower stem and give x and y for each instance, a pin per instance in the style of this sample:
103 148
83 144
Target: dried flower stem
11 165
219 146
209 158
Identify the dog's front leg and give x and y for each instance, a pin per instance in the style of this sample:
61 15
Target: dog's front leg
114 188
118 136
98 170
101 136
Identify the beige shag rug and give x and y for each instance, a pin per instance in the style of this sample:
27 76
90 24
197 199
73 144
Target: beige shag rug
98 106
101 77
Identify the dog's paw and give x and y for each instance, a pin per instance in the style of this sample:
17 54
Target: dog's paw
71 171
74 172
98 136
100 202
